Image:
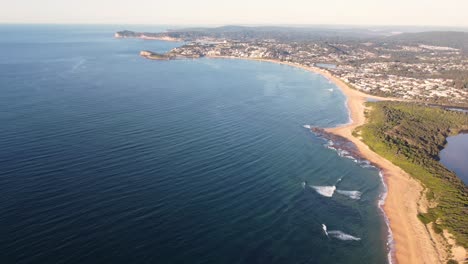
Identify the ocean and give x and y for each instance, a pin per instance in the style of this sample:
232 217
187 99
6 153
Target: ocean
106 157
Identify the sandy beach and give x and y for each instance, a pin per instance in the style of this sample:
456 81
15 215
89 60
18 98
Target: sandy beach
413 242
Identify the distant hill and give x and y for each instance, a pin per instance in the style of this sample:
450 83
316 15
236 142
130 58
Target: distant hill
282 33
453 39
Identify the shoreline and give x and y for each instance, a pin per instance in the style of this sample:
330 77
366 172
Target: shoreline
410 241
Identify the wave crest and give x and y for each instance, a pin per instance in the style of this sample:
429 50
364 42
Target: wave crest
329 191
356 195
342 236
326 191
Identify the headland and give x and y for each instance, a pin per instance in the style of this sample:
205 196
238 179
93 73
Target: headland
413 241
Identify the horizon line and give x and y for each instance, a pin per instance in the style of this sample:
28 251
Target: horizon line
230 24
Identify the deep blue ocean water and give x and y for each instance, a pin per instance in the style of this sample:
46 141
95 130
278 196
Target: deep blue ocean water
106 157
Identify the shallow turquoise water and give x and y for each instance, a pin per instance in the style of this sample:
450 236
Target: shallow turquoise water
110 158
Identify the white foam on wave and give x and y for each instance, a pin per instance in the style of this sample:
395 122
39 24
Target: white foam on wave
324 227
342 153
330 145
350 118
366 164
345 154
356 195
329 191
330 90
326 191
342 235
307 126
390 241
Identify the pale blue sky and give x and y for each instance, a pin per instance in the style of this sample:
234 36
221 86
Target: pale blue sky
356 12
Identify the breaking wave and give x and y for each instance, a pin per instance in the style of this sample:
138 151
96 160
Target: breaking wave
346 154
339 234
326 191
324 227
342 236
329 191
356 195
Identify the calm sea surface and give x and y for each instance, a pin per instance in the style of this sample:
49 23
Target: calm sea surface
454 155
106 157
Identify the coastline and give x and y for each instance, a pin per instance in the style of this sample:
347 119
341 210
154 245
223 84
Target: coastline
410 240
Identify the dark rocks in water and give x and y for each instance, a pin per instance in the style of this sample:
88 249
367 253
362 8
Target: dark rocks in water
344 147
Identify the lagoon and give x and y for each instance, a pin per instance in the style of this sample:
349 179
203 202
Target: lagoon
455 156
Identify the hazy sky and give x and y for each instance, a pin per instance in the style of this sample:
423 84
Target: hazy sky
358 12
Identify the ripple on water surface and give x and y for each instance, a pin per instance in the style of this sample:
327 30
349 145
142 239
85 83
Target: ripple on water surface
108 157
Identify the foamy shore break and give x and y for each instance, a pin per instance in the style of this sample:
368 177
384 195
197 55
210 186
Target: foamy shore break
411 241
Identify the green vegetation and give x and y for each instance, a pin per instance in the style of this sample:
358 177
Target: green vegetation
411 136
156 56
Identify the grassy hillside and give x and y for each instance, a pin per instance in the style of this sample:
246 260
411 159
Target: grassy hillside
411 137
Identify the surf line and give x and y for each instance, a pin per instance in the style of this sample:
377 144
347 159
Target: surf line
346 149
329 191
339 234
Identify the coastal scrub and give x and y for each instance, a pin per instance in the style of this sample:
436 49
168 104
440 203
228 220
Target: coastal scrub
411 136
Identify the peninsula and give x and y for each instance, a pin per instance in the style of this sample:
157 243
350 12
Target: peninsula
428 67
426 203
